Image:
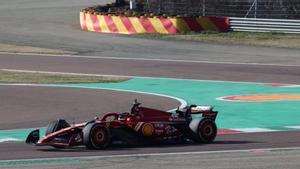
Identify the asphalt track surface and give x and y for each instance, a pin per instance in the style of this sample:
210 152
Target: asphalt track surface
223 142
28 106
54 24
286 74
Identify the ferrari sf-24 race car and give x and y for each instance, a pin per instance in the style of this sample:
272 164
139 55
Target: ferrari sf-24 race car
141 126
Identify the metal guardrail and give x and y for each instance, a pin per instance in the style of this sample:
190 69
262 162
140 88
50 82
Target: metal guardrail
264 25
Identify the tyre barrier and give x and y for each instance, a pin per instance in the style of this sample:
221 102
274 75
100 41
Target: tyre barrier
140 24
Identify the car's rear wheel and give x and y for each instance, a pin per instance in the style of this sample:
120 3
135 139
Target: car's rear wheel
96 136
207 131
203 130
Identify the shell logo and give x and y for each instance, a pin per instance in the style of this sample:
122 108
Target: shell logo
263 97
148 129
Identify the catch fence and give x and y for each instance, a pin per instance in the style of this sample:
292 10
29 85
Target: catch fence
280 9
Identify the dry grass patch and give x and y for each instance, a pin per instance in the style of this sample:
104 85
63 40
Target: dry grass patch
46 78
29 49
236 38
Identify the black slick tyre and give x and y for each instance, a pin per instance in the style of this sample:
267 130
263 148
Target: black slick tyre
96 136
207 131
203 130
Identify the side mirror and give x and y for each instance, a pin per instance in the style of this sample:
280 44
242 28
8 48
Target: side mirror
135 107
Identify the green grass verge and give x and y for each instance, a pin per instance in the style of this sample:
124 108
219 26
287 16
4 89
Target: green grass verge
45 78
30 49
271 39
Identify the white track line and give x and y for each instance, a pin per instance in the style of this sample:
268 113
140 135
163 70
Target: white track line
124 76
34 54
292 86
8 139
182 102
157 154
255 130
151 59
293 127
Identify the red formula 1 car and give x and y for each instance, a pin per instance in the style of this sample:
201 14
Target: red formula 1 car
141 126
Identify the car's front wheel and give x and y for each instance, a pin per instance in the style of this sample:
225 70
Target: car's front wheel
96 136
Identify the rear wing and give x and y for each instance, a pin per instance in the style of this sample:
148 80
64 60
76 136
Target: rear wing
206 111
211 114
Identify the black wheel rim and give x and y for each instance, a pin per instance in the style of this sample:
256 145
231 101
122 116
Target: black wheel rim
208 131
99 136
